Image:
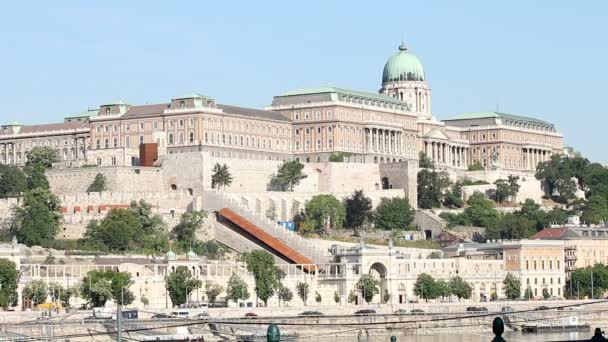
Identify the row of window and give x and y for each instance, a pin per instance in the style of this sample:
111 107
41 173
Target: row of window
548 263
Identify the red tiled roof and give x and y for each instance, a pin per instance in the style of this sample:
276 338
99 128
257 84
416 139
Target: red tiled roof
550 233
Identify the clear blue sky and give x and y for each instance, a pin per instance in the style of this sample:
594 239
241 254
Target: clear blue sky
545 59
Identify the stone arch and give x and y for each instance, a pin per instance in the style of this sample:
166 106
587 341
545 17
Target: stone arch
385 183
402 294
378 270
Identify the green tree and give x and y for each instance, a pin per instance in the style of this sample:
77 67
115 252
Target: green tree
595 210
37 220
424 162
290 174
338 157
557 174
9 277
528 294
36 291
512 287
506 188
44 156
119 230
36 177
237 289
180 284
394 213
285 294
481 212
189 224
460 288
266 274
12 181
476 166
546 294
221 176
453 198
213 290
425 286
99 183
432 187
581 277
368 286
442 288
302 289
100 286
325 212
337 297
493 296
318 297
358 208
59 293
155 237
512 227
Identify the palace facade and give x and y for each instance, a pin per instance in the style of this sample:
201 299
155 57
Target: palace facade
310 125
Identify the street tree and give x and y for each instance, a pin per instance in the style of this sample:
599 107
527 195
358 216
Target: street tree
425 286
266 274
368 286
284 294
100 286
237 289
180 284
213 290
394 213
99 183
221 176
37 220
460 288
325 212
512 287
442 288
432 187
358 208
318 297
481 212
9 277
302 289
36 291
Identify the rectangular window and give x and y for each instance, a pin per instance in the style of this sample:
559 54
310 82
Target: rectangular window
141 125
113 160
155 125
141 139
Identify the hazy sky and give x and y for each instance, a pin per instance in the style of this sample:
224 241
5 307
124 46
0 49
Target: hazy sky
545 59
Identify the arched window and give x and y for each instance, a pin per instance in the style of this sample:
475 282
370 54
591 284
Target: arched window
108 110
182 104
170 123
181 123
170 138
106 143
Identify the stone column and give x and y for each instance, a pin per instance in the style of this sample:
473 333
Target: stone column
466 157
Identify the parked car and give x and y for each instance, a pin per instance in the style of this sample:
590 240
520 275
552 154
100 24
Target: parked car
251 315
160 316
417 311
401 312
310 314
477 309
180 314
365 312
202 315
506 309
542 307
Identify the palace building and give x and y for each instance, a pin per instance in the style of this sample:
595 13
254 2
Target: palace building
311 125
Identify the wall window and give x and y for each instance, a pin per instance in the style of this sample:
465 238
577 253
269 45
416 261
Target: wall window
182 104
306 115
97 144
329 114
317 115
181 123
108 110
113 160
190 122
181 137
115 142
170 138
296 116
155 125
141 125
106 143
97 129
105 129
114 128
127 141
191 137
170 123
141 139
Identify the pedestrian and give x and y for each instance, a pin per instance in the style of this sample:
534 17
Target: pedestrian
598 335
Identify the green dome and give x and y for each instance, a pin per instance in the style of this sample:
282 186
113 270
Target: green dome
191 254
171 255
403 66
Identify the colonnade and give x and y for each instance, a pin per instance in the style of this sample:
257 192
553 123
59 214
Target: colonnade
533 156
385 141
10 154
447 154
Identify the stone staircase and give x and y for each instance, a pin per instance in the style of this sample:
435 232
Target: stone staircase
214 201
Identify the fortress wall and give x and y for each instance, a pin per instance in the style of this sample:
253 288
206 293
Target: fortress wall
118 178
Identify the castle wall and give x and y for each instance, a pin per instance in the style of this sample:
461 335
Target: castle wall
118 179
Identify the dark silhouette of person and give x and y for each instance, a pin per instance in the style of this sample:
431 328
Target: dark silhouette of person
598 335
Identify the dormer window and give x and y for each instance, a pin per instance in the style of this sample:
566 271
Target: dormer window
182 104
108 110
